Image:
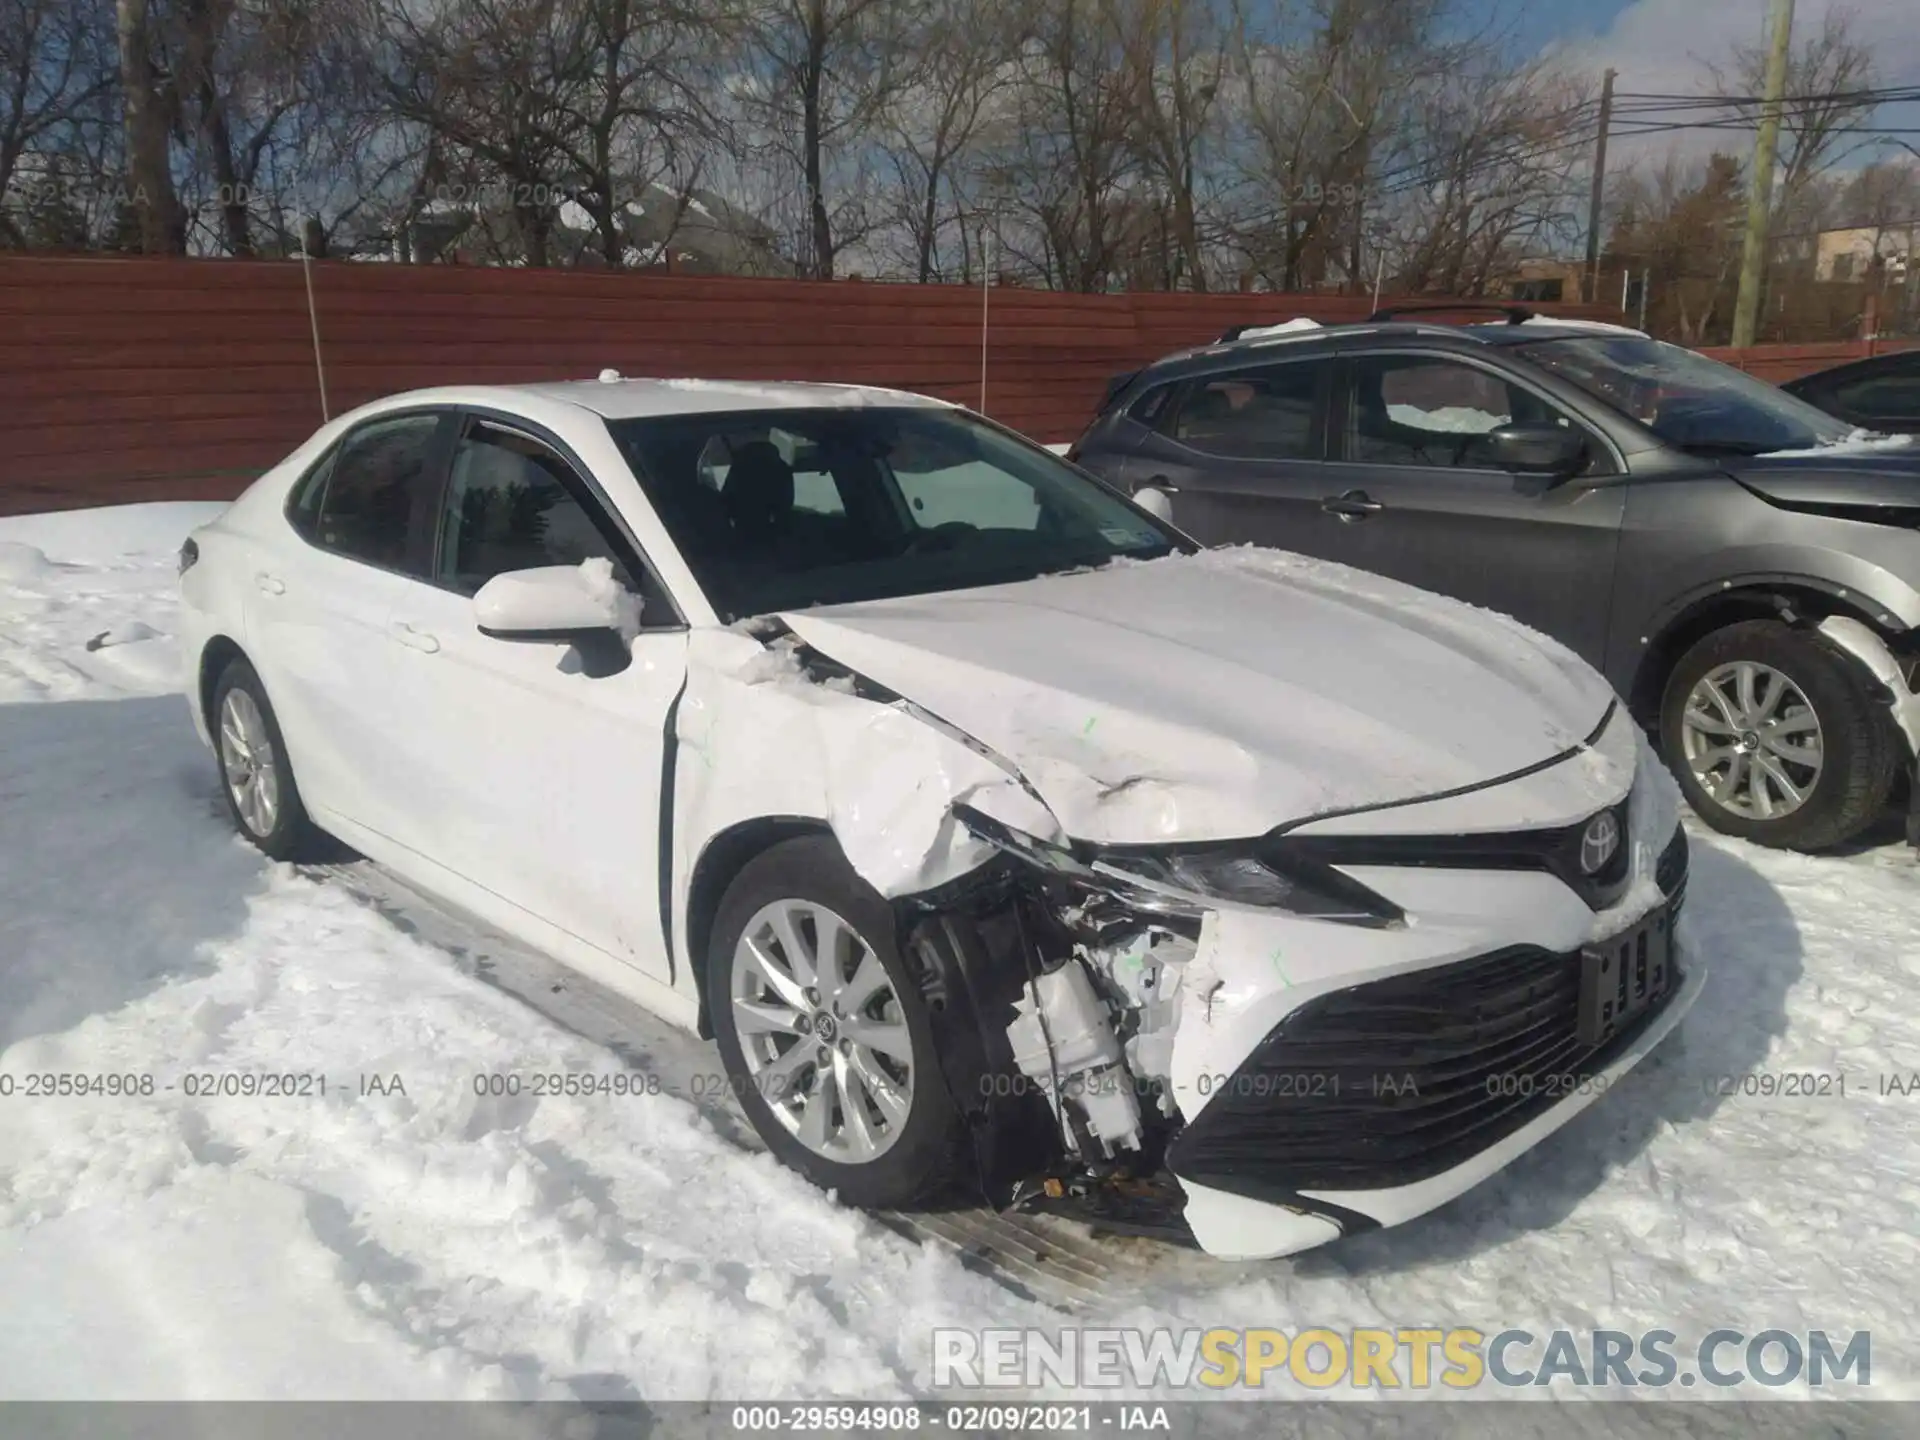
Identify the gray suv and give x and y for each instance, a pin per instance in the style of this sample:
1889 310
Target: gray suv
1744 568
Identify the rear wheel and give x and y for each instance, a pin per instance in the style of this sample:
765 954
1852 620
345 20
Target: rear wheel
256 777
825 1038
1776 737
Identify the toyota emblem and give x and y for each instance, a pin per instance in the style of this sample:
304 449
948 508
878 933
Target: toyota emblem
1597 844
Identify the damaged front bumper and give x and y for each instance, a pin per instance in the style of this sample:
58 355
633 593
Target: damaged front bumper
1370 1105
1298 1079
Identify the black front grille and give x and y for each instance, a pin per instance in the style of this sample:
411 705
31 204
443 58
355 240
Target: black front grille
1556 851
1398 1080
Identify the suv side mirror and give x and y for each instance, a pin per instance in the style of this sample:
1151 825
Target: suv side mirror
549 602
1555 450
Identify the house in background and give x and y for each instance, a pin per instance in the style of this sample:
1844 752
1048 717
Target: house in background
694 231
1858 252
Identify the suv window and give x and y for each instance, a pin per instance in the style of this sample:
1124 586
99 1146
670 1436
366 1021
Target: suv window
510 506
1430 411
376 488
1263 414
1889 395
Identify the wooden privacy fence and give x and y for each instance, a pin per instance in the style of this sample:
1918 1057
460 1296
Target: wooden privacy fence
1787 362
132 379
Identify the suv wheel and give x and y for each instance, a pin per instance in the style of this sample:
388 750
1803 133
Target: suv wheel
826 1040
1776 737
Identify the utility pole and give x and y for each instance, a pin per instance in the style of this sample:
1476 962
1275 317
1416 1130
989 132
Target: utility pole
1599 187
1753 255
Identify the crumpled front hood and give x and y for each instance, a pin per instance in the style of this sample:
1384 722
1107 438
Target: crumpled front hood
1219 695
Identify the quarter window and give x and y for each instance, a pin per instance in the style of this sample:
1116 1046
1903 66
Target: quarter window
1264 414
376 488
509 507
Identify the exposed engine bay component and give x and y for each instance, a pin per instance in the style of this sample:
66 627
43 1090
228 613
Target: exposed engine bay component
1144 976
1063 1043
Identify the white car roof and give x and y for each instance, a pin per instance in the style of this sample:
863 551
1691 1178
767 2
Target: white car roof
616 398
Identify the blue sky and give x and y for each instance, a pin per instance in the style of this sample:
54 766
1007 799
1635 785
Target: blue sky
1537 24
1663 46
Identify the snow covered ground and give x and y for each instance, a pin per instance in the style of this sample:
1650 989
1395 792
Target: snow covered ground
434 1243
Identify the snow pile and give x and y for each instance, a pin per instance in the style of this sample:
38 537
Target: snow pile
1455 419
425 1240
1854 442
1285 327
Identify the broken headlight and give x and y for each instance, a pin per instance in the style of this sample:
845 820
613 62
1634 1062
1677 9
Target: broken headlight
1191 882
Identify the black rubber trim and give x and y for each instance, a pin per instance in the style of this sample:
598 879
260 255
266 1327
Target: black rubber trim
669 764
1509 777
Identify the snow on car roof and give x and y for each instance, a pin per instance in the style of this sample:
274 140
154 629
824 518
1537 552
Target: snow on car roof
615 398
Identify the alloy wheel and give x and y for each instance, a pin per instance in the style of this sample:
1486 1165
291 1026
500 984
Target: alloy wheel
1752 741
246 757
822 1031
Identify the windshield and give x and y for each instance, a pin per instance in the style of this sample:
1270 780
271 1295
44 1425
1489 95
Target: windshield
1686 399
781 509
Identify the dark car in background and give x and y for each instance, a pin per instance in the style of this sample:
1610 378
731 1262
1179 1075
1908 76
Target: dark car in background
1743 567
1879 393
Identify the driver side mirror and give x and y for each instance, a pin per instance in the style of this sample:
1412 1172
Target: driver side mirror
592 612
1553 450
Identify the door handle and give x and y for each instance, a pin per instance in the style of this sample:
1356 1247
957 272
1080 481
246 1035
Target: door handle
413 639
1352 506
270 584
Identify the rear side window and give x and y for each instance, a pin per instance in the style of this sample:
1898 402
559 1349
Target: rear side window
1261 414
377 488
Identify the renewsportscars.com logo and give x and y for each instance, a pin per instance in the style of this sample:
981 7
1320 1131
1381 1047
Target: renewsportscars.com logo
1382 1359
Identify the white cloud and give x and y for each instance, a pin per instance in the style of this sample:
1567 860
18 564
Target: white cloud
1664 47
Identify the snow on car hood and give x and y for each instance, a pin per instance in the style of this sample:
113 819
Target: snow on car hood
1219 695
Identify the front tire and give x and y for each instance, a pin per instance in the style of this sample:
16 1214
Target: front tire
256 776
1776 737
826 1040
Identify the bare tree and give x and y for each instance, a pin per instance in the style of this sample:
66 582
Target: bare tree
54 72
1490 182
824 72
932 127
1066 171
1177 52
1325 107
147 105
1677 223
1826 71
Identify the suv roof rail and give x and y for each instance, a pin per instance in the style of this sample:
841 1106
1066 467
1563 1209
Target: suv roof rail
1516 314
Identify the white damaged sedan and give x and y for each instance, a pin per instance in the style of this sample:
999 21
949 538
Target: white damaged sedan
1003 842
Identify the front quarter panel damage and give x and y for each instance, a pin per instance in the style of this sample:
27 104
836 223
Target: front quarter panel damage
758 736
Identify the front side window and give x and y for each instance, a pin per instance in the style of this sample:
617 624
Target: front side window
376 489
1691 402
1259 414
1429 411
509 507
777 510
